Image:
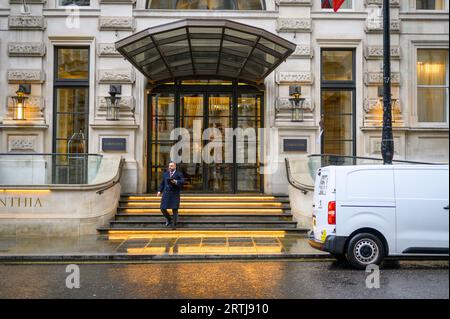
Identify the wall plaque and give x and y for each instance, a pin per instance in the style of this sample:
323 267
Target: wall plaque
295 145
114 144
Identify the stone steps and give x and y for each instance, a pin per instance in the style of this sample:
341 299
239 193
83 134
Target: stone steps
140 214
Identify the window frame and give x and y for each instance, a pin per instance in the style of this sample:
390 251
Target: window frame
349 86
414 5
63 83
148 4
416 87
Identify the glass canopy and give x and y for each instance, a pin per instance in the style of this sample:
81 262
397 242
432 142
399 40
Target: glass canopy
205 48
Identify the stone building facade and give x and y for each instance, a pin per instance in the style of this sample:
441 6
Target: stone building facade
29 42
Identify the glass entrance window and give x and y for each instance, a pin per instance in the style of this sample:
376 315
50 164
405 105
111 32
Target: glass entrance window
338 102
231 165
163 123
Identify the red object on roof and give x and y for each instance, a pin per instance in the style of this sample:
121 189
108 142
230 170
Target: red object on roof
337 4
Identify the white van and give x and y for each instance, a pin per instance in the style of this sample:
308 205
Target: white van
366 213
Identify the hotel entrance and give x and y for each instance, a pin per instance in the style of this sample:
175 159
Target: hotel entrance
195 106
182 61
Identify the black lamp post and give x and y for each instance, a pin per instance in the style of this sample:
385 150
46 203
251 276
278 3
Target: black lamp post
387 142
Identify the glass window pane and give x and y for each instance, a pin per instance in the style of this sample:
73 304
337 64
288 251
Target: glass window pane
73 63
207 4
68 123
430 4
162 128
338 148
338 127
249 179
220 105
337 65
249 105
75 2
163 104
329 4
72 100
220 178
250 5
161 154
432 67
432 104
192 105
337 102
193 177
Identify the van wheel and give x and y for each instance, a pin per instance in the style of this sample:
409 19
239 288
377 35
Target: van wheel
364 250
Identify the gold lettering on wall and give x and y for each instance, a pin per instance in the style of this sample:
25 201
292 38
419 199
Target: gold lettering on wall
20 202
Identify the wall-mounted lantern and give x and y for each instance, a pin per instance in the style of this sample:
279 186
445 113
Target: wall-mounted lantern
297 102
19 102
113 103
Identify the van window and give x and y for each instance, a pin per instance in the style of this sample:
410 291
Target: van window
376 184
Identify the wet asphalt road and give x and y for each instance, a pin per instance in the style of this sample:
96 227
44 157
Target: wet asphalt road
244 280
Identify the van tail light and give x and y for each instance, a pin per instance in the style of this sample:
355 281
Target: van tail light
332 213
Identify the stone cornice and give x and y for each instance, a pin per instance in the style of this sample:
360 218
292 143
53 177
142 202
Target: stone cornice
116 76
376 26
294 25
26 23
294 77
107 50
283 103
26 49
376 52
376 78
25 76
302 51
116 23
393 3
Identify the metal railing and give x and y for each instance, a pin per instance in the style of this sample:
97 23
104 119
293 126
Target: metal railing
296 184
115 182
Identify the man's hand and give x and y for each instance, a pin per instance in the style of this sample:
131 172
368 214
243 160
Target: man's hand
159 194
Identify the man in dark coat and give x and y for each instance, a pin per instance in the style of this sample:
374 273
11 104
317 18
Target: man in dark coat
170 189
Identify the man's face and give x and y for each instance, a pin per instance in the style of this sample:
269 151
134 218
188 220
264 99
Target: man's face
172 167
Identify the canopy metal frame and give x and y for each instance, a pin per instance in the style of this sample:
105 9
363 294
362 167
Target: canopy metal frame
207 48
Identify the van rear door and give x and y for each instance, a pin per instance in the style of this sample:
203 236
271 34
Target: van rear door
324 193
